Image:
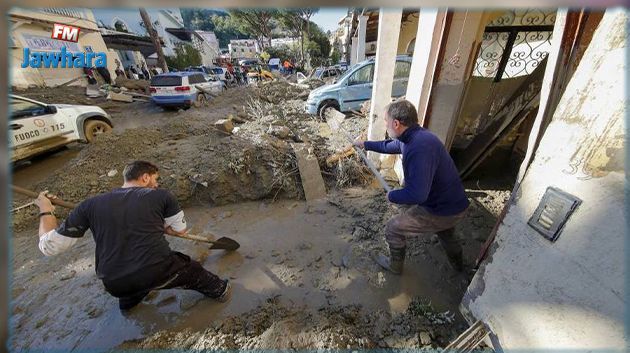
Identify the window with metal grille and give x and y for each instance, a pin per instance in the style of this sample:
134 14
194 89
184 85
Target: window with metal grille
515 44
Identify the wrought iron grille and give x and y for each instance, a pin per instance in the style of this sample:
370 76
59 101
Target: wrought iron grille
526 17
515 44
528 51
508 52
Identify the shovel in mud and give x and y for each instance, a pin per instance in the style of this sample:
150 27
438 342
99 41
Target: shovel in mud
334 119
223 243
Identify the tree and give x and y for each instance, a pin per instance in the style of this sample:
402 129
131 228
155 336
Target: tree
256 23
318 47
335 56
306 14
283 52
292 21
185 55
154 38
225 28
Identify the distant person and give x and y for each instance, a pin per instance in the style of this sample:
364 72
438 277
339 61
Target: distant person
128 225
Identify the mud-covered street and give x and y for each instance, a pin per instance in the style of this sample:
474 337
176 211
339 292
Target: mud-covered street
303 276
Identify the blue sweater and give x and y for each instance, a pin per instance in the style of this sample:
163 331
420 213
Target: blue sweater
431 179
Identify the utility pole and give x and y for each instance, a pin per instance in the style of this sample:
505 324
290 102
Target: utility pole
154 38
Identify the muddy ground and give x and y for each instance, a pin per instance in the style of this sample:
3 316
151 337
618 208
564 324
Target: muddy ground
303 277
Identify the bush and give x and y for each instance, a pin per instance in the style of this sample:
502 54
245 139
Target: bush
185 55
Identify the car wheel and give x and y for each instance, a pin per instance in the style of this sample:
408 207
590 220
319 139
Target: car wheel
93 128
326 105
200 101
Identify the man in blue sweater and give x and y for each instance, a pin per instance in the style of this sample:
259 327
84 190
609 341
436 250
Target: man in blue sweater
433 190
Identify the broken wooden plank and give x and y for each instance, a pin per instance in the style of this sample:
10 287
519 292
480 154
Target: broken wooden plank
206 91
347 152
136 94
524 99
310 173
469 340
70 81
120 97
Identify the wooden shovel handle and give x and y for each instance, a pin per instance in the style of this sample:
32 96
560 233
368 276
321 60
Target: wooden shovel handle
33 194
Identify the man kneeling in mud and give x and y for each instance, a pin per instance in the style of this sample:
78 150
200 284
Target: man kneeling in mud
128 226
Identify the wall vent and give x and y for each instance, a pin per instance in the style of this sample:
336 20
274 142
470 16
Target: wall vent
555 208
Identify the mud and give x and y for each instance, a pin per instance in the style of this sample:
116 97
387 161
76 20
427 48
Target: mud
303 277
291 287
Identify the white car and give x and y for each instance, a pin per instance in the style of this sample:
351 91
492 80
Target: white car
182 89
37 127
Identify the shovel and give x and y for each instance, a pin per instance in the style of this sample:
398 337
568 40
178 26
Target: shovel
221 243
334 119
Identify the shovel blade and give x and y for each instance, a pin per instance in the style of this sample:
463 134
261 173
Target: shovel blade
225 244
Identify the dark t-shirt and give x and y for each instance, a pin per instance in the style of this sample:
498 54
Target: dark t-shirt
128 227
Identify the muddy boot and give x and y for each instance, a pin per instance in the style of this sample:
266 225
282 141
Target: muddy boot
227 293
393 263
452 248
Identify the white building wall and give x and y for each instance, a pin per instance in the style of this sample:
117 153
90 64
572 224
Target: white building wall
569 294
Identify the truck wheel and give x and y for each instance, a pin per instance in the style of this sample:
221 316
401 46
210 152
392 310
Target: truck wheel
93 128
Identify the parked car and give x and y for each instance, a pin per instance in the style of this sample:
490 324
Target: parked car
327 75
37 127
224 75
355 87
179 89
248 62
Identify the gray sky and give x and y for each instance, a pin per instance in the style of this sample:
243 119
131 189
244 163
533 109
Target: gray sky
327 17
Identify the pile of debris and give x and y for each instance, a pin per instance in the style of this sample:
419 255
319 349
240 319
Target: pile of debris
278 91
246 156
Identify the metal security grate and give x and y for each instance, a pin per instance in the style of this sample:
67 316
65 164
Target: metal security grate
555 208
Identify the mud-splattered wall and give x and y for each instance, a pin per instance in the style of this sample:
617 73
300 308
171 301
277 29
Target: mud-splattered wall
567 294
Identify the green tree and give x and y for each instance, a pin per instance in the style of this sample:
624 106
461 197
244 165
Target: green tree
292 22
256 23
318 46
335 56
185 55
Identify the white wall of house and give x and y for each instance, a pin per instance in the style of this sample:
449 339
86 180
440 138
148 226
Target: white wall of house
536 294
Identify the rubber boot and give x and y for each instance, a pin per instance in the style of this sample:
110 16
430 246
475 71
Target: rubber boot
227 293
393 263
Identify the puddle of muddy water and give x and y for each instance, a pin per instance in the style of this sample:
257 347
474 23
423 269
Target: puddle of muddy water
289 250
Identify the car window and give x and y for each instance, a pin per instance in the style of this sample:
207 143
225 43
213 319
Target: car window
217 71
402 69
193 79
168 80
325 74
21 109
362 75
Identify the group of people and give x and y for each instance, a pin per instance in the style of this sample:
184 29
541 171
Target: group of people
135 72
128 224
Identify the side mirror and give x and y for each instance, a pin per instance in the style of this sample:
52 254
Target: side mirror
51 109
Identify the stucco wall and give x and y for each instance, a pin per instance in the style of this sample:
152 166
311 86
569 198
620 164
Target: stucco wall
536 294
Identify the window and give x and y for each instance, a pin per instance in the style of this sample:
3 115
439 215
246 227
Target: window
193 79
22 109
166 81
402 69
362 75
